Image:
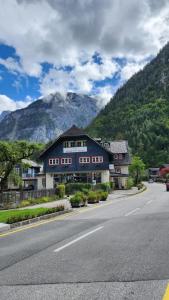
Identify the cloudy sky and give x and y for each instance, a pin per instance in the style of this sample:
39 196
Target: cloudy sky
84 46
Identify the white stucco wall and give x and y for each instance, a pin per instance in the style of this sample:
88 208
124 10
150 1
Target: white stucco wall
124 169
105 176
49 181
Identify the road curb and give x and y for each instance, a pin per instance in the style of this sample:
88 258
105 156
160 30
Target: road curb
34 220
139 191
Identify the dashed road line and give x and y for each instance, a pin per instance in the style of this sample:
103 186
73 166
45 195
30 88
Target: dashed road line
132 212
149 202
78 239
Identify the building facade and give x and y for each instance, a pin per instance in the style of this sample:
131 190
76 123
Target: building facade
76 157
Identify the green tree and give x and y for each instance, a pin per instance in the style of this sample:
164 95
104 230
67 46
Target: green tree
136 169
12 153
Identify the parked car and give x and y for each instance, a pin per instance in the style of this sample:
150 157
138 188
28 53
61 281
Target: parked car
167 186
151 180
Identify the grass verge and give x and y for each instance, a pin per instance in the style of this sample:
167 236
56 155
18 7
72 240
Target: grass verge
14 216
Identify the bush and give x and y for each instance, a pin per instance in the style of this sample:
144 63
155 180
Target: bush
79 199
32 213
102 195
72 188
31 201
61 190
140 186
102 186
93 197
112 185
129 183
25 203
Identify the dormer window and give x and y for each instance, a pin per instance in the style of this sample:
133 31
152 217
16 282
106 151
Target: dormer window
71 144
74 146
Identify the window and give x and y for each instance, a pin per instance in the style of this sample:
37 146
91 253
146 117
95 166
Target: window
66 161
120 156
66 144
72 144
84 160
53 161
97 159
117 170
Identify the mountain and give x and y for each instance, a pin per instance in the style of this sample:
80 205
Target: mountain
4 114
48 117
139 112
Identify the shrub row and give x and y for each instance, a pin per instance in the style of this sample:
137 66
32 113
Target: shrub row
81 199
31 201
30 214
72 188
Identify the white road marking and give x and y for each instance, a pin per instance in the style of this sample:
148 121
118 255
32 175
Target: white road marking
149 202
132 212
78 239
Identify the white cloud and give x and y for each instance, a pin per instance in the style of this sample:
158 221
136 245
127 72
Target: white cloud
131 68
62 31
11 64
69 32
7 103
80 78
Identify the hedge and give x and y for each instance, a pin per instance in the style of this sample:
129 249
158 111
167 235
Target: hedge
21 215
61 190
72 188
31 201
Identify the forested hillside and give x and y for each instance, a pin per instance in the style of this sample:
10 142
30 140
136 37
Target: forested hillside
139 112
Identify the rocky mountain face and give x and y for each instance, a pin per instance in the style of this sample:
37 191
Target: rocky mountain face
4 114
46 118
139 112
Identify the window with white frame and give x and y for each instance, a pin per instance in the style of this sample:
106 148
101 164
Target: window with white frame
66 161
97 159
84 160
53 161
116 156
72 144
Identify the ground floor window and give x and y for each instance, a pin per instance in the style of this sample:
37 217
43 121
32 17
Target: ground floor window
77 177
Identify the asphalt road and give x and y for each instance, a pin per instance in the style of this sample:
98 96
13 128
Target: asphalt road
119 250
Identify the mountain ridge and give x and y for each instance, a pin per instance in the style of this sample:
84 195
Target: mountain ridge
47 117
139 112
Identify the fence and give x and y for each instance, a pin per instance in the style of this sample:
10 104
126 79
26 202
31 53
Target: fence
12 198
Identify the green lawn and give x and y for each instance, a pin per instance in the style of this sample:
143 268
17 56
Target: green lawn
13 216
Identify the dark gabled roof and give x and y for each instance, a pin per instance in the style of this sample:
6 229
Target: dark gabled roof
73 131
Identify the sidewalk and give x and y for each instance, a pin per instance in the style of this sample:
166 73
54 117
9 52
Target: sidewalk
115 195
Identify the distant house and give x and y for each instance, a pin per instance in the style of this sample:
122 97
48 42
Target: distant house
154 173
163 170
30 173
121 161
76 157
